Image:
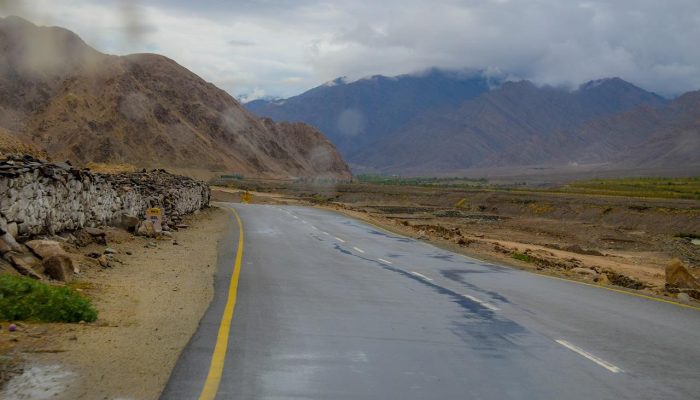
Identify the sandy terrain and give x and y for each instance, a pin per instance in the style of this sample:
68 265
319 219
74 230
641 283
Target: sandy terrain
149 303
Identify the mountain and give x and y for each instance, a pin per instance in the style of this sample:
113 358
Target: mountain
647 137
517 124
355 114
469 122
142 109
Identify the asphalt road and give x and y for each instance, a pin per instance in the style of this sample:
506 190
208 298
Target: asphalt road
332 308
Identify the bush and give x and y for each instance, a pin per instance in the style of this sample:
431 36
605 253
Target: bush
523 257
23 298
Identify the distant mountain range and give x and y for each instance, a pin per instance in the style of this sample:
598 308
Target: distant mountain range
440 122
60 95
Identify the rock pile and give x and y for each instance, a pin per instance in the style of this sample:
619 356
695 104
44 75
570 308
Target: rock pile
41 198
38 197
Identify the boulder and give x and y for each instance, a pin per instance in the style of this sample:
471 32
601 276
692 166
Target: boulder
4 247
95 231
128 222
24 263
59 267
8 243
104 261
677 275
45 248
603 279
13 229
146 228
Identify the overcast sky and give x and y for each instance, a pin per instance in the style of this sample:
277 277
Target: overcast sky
283 47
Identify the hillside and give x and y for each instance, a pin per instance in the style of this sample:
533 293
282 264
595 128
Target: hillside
649 137
142 109
518 124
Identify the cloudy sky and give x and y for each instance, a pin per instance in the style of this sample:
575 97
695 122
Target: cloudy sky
283 47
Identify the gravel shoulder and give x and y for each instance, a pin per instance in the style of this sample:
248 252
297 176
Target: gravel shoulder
150 304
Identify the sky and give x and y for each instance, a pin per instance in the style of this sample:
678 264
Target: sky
280 48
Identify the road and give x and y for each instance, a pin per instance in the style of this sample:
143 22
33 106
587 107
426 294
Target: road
328 307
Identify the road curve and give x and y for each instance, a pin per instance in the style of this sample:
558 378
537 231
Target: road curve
332 308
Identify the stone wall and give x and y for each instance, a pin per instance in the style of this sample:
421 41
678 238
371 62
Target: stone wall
38 197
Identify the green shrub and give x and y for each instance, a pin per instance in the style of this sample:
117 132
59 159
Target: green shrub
23 298
523 257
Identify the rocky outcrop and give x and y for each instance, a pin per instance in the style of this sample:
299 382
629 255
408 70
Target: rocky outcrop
38 197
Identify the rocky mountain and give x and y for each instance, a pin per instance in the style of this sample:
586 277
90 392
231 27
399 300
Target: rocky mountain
518 124
142 109
356 114
508 124
647 137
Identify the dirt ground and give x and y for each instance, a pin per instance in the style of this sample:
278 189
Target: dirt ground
620 241
150 303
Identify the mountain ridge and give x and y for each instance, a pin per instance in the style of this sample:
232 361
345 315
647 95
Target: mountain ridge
506 124
143 109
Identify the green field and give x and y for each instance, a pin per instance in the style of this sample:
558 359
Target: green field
422 181
668 188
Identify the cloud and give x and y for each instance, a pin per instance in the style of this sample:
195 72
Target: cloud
248 46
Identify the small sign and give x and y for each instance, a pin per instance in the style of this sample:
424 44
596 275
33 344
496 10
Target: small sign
155 215
246 197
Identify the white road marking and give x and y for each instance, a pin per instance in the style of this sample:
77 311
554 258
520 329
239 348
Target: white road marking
359 249
384 261
339 239
420 275
325 233
589 356
304 222
295 217
314 227
483 303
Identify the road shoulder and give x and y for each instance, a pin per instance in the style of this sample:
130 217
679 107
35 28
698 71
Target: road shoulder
150 305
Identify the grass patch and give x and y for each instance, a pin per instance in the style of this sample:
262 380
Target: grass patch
455 182
23 298
523 257
667 188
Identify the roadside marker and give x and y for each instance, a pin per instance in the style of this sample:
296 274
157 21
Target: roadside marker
216 367
359 249
483 303
589 356
420 275
384 261
339 239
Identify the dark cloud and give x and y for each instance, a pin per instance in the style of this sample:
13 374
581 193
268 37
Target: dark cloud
285 46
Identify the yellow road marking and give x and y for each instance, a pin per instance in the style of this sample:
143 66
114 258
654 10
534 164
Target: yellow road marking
211 385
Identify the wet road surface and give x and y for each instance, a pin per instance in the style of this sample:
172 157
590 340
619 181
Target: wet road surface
332 308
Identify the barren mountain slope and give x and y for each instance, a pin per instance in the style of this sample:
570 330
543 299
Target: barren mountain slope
517 124
142 109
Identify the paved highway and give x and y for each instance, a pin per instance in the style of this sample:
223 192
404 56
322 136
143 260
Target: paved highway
327 307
